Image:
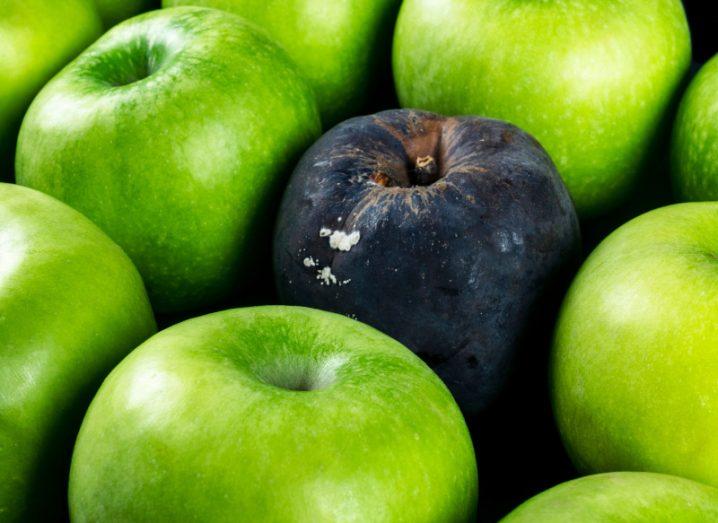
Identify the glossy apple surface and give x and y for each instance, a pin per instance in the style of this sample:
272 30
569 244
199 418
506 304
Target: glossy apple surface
636 497
114 11
273 414
443 233
341 46
694 160
592 80
72 305
635 358
173 132
37 38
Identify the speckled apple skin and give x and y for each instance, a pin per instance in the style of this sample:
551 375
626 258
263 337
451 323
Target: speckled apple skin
72 305
451 269
174 133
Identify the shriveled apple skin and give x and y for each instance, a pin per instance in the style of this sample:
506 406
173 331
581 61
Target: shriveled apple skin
343 47
635 497
37 37
451 269
592 80
174 133
635 357
273 414
72 305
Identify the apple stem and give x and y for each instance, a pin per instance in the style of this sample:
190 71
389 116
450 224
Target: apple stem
426 170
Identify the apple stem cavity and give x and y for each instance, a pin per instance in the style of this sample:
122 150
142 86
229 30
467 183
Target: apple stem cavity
426 170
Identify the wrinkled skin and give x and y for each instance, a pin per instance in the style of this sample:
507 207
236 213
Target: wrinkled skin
451 268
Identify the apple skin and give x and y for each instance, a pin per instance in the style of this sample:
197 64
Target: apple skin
114 11
694 149
273 414
635 361
37 38
72 305
593 81
638 497
452 269
339 46
178 166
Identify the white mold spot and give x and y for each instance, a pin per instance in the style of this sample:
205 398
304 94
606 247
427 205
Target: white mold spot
324 232
310 262
341 241
326 277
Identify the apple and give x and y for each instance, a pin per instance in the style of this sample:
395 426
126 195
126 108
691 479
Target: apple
341 47
37 38
592 80
72 305
441 232
694 151
638 497
173 132
273 414
115 11
635 358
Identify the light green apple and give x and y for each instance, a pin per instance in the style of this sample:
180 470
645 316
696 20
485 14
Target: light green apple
173 132
273 414
37 37
694 150
635 357
592 80
115 11
72 305
629 497
341 46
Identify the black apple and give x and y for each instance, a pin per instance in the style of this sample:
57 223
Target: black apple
441 232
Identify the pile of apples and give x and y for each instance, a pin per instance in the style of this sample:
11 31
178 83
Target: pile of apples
344 288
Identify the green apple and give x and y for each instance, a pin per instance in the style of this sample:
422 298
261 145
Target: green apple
37 37
635 497
339 45
115 11
694 150
592 80
273 414
635 357
173 132
72 305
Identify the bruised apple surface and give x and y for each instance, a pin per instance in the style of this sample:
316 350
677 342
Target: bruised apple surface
441 232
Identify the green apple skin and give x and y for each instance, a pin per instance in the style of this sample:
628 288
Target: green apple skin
72 305
270 414
593 80
114 11
37 38
694 148
174 133
635 357
621 497
339 46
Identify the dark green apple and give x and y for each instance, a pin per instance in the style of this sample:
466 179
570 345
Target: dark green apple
114 11
173 132
37 37
694 151
341 46
273 414
635 497
72 305
635 357
592 80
